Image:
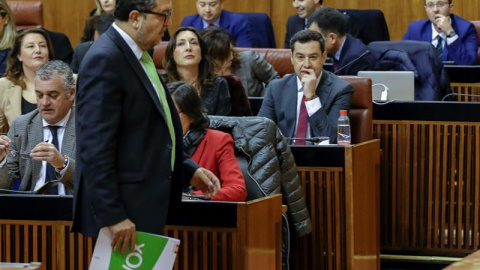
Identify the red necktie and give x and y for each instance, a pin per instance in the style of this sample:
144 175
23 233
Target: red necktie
302 124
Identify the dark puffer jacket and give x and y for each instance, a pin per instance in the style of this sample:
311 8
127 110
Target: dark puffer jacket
271 163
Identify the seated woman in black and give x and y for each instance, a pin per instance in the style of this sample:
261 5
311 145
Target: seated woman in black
186 60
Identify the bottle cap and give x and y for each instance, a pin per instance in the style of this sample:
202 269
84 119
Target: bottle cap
343 112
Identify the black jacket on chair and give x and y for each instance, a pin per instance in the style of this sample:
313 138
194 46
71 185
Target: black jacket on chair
431 79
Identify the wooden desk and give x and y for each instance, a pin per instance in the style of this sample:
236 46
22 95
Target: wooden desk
430 199
341 186
465 80
214 235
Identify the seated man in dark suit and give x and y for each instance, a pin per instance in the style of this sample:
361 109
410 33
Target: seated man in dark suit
211 13
61 46
41 144
342 47
305 9
101 25
454 38
308 103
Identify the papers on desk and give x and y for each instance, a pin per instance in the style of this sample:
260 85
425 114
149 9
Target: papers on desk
151 252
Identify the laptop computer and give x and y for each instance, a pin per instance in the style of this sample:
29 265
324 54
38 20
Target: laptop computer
391 85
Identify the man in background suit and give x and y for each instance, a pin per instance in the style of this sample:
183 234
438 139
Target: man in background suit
454 37
130 162
305 9
342 47
211 13
32 160
308 103
101 25
61 46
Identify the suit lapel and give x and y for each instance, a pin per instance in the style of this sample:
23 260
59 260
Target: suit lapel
291 96
198 23
224 22
324 89
34 137
200 151
137 68
445 47
68 141
15 98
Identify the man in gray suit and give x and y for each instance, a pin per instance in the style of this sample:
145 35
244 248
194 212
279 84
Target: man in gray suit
40 145
308 103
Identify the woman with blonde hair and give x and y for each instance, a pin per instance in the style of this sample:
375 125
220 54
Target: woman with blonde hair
103 6
7 34
32 48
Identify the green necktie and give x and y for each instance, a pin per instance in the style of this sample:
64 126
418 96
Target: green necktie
153 75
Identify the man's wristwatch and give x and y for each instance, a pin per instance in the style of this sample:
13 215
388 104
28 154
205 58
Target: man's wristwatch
65 163
314 96
451 34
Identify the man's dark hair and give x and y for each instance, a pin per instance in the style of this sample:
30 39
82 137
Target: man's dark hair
305 36
103 22
329 20
124 7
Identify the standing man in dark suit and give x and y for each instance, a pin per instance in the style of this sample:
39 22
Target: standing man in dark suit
130 163
342 47
41 144
211 13
308 103
454 37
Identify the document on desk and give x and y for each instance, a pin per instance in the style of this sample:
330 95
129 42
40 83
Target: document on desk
151 252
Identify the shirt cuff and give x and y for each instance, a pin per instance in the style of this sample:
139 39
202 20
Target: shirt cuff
450 40
313 106
3 162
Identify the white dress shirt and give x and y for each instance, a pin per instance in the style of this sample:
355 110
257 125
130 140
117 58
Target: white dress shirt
312 106
47 137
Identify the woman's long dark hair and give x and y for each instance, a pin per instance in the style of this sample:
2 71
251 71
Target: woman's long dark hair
188 101
220 46
205 67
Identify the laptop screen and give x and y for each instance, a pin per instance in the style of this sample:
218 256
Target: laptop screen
391 85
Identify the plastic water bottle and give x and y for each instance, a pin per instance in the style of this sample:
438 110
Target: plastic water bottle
343 129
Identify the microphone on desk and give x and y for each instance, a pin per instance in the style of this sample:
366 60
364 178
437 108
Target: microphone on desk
367 52
459 95
313 139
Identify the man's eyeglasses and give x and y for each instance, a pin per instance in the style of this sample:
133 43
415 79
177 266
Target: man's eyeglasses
167 15
439 4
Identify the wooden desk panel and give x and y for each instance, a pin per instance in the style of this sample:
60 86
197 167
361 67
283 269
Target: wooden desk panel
48 242
343 200
430 182
466 89
249 239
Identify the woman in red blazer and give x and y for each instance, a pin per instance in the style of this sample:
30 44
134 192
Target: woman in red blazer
211 149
